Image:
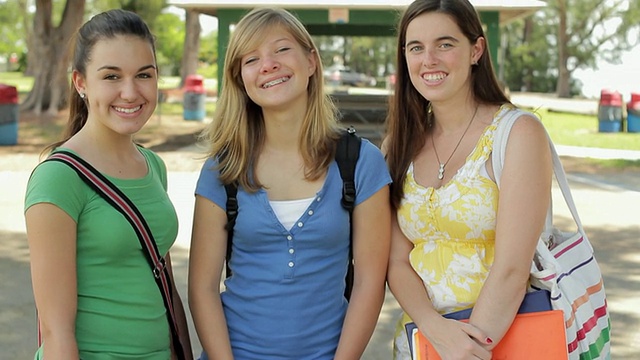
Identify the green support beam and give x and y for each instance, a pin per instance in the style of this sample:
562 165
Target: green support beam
491 21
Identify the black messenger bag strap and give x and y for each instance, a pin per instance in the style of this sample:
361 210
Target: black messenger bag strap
116 198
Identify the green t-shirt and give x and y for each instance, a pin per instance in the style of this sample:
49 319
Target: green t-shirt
121 314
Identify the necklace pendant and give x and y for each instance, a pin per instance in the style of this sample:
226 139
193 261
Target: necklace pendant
441 172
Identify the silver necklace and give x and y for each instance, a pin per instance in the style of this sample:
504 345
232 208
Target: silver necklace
441 164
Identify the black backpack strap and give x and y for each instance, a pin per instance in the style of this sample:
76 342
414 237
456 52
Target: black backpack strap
232 214
347 153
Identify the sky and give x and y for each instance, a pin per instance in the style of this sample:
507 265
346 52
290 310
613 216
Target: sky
209 23
624 77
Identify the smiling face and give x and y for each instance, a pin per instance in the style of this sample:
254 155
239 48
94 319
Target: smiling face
120 84
276 73
439 57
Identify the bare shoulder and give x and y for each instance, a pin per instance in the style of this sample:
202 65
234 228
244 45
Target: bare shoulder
528 127
528 143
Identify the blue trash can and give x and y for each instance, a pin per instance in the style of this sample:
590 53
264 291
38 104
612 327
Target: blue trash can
8 115
610 111
193 98
633 113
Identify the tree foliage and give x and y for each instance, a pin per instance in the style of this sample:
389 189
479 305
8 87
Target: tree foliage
169 31
589 30
149 10
168 28
530 62
208 55
14 28
569 35
369 55
208 51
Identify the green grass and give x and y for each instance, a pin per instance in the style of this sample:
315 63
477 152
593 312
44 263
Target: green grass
21 82
172 82
582 130
168 82
177 109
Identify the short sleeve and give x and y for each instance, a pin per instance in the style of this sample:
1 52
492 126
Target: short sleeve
209 185
56 183
372 172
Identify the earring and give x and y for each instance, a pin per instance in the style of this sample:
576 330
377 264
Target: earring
82 95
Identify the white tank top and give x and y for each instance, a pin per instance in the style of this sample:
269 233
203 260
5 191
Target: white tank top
289 211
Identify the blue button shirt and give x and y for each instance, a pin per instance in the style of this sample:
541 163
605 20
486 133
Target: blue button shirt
285 299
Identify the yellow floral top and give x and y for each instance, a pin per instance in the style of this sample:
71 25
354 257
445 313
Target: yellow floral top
453 232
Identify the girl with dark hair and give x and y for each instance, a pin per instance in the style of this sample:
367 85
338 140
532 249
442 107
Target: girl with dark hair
93 287
456 241
278 131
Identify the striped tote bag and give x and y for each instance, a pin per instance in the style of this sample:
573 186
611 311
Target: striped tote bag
564 264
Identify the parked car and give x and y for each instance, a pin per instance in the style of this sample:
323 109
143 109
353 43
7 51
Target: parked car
342 75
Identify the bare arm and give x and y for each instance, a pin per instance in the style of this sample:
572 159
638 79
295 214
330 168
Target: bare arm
181 317
525 191
51 234
371 254
206 259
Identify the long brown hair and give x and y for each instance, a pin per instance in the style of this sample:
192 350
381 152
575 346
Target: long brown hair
236 135
106 25
406 123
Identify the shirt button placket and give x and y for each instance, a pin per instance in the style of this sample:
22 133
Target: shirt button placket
290 244
291 250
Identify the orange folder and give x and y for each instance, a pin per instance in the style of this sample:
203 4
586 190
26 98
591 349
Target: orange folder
532 336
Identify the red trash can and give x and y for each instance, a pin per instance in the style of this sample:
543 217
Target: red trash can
633 113
610 111
8 115
193 98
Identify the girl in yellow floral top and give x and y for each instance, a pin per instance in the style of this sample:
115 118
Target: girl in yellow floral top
456 242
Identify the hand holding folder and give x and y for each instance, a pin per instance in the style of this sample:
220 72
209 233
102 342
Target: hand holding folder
537 332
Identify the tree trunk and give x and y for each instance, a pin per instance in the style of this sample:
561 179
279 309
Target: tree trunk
346 51
527 76
50 56
563 89
191 46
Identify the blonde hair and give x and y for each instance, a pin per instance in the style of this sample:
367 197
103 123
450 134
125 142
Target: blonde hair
236 135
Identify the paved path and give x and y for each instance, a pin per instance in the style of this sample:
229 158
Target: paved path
553 103
609 208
